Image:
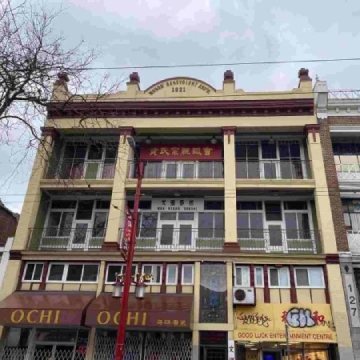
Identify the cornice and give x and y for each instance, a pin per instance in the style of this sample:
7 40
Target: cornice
155 109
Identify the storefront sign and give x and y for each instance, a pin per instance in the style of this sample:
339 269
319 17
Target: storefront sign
139 319
266 322
231 350
178 85
181 152
41 317
183 205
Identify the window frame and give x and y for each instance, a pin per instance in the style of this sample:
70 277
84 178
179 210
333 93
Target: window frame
151 282
309 286
25 269
176 274
262 277
106 282
192 277
248 277
278 269
65 273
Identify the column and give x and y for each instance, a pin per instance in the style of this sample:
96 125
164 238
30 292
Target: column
230 304
196 314
339 313
90 350
321 193
231 243
118 202
33 195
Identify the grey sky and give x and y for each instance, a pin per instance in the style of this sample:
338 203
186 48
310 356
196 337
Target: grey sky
153 32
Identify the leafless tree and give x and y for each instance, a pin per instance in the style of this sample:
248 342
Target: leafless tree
32 54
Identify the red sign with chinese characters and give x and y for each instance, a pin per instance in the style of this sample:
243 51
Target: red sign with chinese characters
181 152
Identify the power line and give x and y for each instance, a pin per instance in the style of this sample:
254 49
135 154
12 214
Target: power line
266 62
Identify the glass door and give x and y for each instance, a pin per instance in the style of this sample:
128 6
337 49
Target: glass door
274 226
291 165
269 163
166 237
186 225
94 162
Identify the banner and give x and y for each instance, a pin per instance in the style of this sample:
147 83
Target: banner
266 322
181 152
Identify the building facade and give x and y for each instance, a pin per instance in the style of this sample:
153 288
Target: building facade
235 227
338 112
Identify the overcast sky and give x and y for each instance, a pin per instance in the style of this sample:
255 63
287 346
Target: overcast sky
153 32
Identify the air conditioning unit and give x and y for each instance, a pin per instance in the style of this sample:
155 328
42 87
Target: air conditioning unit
244 295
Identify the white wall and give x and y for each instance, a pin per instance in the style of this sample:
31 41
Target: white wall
5 251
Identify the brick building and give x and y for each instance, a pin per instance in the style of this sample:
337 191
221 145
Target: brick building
235 227
8 223
338 112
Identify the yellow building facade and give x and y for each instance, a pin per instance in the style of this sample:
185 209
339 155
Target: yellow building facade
235 226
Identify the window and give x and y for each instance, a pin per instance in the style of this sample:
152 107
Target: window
155 271
73 273
259 276
187 275
33 272
211 225
242 276
279 277
309 277
273 211
171 274
112 269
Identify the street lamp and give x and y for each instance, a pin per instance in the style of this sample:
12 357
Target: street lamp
139 282
127 251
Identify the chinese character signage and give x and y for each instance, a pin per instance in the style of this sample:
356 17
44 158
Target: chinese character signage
177 204
181 152
266 322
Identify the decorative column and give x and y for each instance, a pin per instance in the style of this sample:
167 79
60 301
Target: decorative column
231 243
118 198
33 195
196 311
321 193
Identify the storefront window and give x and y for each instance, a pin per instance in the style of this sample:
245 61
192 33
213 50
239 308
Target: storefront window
213 307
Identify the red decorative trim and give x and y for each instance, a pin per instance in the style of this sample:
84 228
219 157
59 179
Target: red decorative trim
332 258
15 255
160 109
178 285
126 131
229 130
326 279
110 246
312 129
163 279
252 275
266 285
293 294
49 131
230 247
42 285
21 275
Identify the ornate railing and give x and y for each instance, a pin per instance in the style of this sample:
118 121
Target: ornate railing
278 240
66 239
180 170
344 94
354 241
348 171
182 239
82 169
273 169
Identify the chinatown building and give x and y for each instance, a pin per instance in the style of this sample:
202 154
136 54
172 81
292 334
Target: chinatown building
235 227
338 112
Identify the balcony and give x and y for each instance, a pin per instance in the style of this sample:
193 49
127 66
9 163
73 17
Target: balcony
185 238
181 170
278 240
349 172
273 169
81 169
70 239
354 241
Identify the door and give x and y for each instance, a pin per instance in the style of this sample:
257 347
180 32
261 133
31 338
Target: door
269 163
176 230
81 234
271 355
94 162
213 353
274 226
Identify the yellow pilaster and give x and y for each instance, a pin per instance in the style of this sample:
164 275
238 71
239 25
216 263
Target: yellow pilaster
91 345
118 197
321 193
33 194
339 313
195 345
230 187
10 279
230 305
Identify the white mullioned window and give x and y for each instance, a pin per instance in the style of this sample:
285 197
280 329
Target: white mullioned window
242 276
155 270
279 277
73 273
171 274
120 269
309 277
187 274
33 272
